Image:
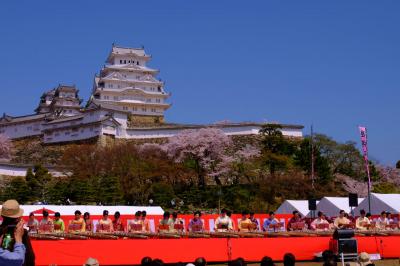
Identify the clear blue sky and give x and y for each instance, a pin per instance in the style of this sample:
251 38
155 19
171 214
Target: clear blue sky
335 64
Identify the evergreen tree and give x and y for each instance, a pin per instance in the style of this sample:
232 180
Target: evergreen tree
38 182
276 149
109 190
17 189
321 165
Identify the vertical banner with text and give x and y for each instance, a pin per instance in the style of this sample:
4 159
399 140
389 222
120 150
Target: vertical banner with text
364 145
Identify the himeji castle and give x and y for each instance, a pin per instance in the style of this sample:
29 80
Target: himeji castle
128 101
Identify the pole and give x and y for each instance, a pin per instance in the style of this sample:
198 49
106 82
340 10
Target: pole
364 145
312 156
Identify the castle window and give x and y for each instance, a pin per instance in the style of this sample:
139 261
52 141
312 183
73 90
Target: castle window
120 61
144 109
125 108
137 63
159 88
158 100
153 110
124 61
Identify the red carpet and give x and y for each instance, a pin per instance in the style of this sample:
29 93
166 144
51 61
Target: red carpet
128 252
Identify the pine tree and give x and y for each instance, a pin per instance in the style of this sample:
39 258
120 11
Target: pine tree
17 189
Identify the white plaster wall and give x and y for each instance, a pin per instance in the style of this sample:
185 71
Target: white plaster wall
10 170
14 131
245 130
69 135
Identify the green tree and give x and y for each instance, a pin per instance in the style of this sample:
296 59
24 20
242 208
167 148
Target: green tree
39 183
321 165
109 190
276 149
17 189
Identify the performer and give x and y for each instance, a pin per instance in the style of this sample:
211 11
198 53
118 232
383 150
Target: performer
88 222
196 224
59 226
105 224
46 224
223 222
244 223
136 225
32 223
295 221
362 222
254 221
146 222
177 223
320 224
229 214
270 223
117 223
77 225
341 222
166 224
382 222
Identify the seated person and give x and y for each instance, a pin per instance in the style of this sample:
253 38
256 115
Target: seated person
232 224
223 223
146 222
362 222
177 223
105 224
166 224
244 223
296 223
46 224
341 222
320 224
136 225
254 221
271 224
59 226
77 225
117 223
88 222
32 223
196 224
382 222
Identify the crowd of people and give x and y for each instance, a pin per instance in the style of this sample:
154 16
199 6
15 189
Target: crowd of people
224 223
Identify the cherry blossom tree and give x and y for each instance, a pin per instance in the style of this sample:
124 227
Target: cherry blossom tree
5 147
207 151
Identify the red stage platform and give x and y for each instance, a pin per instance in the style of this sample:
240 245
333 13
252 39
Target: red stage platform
131 251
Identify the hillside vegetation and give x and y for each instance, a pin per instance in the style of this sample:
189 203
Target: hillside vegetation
201 169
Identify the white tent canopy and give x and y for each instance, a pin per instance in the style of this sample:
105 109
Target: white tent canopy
379 203
288 206
93 210
331 206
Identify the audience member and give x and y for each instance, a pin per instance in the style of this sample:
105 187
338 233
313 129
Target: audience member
91 262
146 261
157 262
237 262
16 248
289 259
364 259
330 262
200 262
267 261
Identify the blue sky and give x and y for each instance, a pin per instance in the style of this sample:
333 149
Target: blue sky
334 64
